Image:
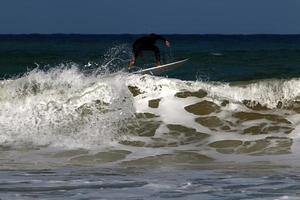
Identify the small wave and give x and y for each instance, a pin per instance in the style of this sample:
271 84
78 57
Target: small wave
216 54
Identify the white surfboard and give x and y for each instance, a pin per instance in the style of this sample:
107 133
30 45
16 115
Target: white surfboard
162 68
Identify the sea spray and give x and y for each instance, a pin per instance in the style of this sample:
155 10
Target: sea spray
63 107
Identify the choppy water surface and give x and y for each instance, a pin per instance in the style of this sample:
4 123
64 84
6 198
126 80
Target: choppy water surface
72 131
226 181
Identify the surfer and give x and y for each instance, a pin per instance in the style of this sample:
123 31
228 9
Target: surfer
147 43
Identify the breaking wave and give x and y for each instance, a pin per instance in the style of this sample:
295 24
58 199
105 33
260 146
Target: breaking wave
65 107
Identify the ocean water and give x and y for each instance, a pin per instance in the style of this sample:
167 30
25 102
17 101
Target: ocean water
75 125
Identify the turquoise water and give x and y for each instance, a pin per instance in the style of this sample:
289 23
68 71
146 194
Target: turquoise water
75 125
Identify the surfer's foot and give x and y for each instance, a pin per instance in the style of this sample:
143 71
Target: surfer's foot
157 63
130 67
131 64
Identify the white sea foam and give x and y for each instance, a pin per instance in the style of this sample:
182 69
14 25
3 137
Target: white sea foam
65 107
266 92
171 109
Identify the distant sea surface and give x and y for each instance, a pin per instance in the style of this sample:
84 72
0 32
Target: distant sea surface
215 57
74 124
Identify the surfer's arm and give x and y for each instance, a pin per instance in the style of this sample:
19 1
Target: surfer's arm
159 37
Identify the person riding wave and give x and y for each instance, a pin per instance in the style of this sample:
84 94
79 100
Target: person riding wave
147 43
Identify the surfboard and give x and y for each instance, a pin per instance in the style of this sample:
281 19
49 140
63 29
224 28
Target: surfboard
162 68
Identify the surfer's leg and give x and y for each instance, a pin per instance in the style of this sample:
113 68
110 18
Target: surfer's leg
136 53
157 54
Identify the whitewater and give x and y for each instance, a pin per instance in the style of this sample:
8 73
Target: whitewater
102 129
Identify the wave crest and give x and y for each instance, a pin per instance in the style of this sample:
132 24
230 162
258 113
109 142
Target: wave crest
63 107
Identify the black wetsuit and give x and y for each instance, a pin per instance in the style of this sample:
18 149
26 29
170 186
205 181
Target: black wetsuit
147 43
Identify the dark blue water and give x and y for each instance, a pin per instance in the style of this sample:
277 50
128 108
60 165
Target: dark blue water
212 57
